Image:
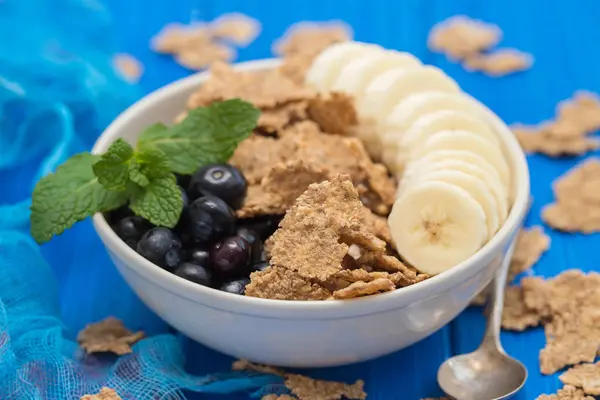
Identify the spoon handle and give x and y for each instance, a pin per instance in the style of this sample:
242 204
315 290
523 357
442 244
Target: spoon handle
496 300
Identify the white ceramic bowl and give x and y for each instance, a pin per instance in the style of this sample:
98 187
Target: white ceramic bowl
296 333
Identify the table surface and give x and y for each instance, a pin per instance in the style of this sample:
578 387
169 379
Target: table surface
563 37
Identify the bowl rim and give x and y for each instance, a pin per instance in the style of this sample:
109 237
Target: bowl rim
309 309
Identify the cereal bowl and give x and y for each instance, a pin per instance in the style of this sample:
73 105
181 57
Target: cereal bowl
303 333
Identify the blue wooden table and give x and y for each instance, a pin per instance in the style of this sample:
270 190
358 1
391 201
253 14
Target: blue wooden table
564 37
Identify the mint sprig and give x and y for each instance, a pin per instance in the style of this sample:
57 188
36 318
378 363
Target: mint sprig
142 177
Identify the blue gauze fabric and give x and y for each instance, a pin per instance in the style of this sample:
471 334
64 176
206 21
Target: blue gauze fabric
57 92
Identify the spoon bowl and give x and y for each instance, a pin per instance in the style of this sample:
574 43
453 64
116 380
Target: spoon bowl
483 374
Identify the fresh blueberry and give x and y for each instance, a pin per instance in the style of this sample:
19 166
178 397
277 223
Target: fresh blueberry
253 240
162 247
115 216
265 226
199 256
131 229
185 198
236 287
221 180
183 180
210 218
259 266
231 257
194 273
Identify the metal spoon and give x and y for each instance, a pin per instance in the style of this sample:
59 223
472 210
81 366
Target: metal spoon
488 373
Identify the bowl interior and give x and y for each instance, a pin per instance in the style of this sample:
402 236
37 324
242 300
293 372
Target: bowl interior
166 103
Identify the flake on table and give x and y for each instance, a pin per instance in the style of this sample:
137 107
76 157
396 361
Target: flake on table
500 62
531 244
360 289
279 397
306 388
542 140
129 67
334 112
284 284
460 37
585 376
280 188
516 316
577 200
174 38
236 27
245 365
310 38
566 393
104 394
210 53
108 335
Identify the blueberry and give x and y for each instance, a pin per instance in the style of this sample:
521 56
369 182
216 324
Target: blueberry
162 247
221 180
210 218
185 198
236 287
265 226
231 257
131 229
259 266
200 256
253 240
195 273
115 216
183 180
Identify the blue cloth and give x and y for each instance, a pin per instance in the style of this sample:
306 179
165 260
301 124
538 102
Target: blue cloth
57 92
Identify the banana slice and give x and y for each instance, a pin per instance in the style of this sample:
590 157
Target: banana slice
476 188
326 67
476 167
436 225
392 86
359 73
434 122
465 140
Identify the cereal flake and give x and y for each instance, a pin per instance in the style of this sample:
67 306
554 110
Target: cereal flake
129 67
585 376
211 52
104 394
306 388
108 335
360 288
460 37
245 365
279 397
310 38
516 316
236 27
334 112
273 120
566 393
500 62
531 244
284 284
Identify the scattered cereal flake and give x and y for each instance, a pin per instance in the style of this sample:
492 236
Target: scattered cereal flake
196 60
531 244
104 394
359 289
236 27
277 118
582 109
577 196
566 393
264 89
460 36
129 67
334 112
284 284
585 376
542 140
500 62
313 389
245 365
311 37
516 316
108 335
570 303
174 38
279 397
280 188
296 66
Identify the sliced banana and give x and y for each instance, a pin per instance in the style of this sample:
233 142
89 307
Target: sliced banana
428 124
392 86
326 67
454 162
465 140
476 188
358 73
436 225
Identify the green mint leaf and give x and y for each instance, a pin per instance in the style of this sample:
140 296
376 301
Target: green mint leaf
70 194
136 175
155 163
207 135
160 202
113 168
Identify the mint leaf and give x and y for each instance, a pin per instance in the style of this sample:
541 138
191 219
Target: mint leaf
70 194
160 202
207 135
155 163
136 175
113 168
